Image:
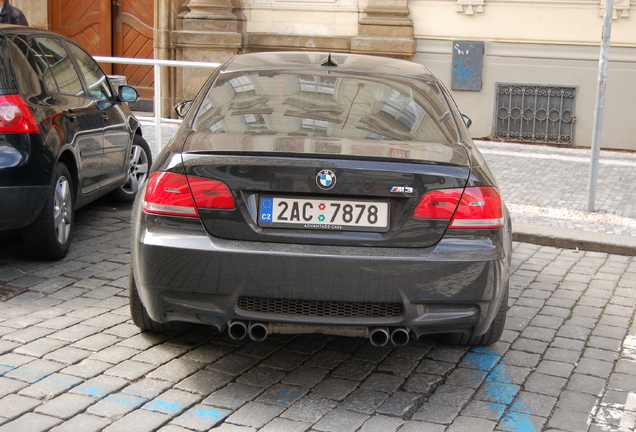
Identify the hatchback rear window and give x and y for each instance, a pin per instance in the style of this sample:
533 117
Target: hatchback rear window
7 82
327 104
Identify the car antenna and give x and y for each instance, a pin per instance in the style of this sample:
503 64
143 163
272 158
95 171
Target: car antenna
329 62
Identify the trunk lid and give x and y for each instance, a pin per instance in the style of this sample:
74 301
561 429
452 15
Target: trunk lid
340 192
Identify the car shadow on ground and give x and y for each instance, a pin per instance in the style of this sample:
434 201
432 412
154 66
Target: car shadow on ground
11 247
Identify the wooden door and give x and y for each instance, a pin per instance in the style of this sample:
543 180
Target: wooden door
112 28
84 22
133 33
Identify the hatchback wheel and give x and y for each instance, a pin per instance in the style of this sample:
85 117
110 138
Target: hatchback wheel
49 237
138 168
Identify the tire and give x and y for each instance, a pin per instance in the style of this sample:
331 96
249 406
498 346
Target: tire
141 318
493 333
138 169
49 236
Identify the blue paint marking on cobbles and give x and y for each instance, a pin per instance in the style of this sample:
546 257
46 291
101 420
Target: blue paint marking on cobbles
124 401
500 391
281 394
160 405
207 413
8 368
91 391
500 374
62 382
518 422
481 361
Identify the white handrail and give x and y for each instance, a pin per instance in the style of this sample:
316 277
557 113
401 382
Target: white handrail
155 63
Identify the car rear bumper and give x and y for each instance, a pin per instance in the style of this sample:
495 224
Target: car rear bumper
182 273
21 205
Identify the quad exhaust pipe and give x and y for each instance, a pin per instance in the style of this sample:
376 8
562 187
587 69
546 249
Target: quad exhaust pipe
258 332
237 330
379 336
400 336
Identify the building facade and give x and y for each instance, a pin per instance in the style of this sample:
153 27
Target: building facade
522 70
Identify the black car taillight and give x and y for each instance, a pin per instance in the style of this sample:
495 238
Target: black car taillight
179 195
16 116
469 208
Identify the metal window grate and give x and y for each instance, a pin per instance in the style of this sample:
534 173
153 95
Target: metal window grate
319 308
535 113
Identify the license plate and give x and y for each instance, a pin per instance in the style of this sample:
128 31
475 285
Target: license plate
325 214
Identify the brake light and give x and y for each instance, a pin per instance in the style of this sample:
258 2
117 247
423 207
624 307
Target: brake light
16 116
473 207
178 195
438 204
211 194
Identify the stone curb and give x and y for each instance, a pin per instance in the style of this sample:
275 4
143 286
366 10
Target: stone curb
568 238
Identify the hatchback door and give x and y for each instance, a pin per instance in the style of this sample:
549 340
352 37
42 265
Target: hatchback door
117 136
81 120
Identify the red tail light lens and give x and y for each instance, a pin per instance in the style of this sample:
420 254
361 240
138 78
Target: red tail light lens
211 194
438 204
470 208
179 195
16 116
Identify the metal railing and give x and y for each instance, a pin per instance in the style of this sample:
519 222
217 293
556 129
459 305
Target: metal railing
157 84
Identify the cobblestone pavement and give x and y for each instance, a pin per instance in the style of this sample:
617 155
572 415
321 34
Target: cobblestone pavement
547 186
71 359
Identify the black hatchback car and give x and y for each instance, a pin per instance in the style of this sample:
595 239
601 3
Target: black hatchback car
315 193
66 138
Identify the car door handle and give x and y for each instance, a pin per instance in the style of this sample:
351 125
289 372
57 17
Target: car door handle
70 115
104 117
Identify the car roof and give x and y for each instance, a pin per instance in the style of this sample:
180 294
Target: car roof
292 60
18 29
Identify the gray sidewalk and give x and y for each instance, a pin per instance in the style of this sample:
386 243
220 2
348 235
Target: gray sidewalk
545 189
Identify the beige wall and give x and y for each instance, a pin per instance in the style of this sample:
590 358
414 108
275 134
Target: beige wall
546 43
36 11
552 22
547 65
314 18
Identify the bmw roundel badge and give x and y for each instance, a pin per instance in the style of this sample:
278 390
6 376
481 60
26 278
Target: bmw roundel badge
326 179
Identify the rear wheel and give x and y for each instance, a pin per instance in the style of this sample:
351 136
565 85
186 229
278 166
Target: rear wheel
141 318
138 169
49 236
493 333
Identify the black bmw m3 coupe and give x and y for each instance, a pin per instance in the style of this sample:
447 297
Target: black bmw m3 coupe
316 193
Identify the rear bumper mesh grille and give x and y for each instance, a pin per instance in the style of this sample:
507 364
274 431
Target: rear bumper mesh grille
319 308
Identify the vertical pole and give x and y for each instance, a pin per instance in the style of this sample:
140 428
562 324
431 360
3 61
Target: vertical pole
157 108
600 104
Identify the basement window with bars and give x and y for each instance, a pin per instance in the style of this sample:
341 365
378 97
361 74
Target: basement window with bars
535 113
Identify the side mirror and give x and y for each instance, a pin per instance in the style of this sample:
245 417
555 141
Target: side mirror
467 120
128 94
182 108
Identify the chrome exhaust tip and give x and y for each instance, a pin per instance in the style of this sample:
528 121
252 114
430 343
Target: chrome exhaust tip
237 330
379 337
258 332
400 336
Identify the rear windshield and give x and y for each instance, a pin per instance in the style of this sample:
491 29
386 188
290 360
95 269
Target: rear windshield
7 81
327 104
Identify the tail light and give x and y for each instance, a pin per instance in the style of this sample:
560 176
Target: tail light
472 207
179 195
16 116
